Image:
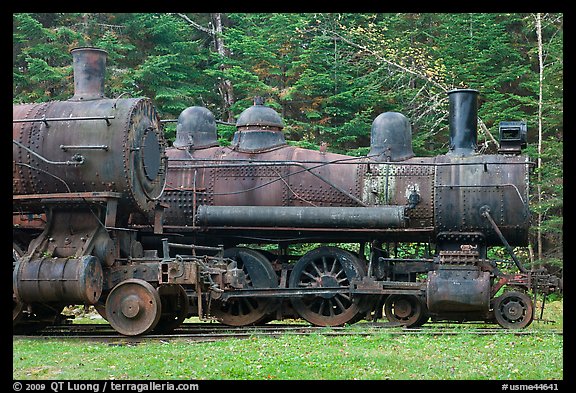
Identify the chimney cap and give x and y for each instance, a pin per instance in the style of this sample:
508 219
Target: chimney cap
88 48
462 91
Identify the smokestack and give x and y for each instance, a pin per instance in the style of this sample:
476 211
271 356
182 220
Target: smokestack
463 121
89 72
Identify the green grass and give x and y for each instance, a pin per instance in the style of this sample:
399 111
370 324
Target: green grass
380 355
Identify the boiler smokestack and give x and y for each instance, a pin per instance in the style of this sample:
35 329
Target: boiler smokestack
463 121
89 72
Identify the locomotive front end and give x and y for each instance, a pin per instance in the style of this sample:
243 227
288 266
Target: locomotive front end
90 143
86 166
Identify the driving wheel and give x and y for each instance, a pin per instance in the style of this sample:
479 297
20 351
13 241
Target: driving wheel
242 311
327 267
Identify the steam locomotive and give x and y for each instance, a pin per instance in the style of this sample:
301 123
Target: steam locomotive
105 214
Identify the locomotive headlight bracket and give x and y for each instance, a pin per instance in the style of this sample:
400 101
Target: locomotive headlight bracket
513 137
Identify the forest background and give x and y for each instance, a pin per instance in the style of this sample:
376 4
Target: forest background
328 75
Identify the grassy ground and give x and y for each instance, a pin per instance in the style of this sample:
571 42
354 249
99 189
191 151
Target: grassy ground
378 356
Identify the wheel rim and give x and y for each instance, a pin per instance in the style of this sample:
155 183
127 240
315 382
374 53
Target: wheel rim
174 307
259 274
133 307
513 310
100 307
321 268
17 306
408 310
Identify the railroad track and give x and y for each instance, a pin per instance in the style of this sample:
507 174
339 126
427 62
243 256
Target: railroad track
214 332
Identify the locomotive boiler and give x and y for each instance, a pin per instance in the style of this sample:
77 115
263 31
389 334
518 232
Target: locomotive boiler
105 214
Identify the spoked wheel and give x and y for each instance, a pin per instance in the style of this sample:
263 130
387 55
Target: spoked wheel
513 310
327 267
174 307
409 310
133 307
259 274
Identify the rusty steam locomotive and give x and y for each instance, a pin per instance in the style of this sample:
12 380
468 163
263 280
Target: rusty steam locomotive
105 214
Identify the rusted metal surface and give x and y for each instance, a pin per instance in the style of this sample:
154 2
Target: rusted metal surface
513 310
175 307
28 220
91 143
89 73
409 310
133 162
394 183
327 267
458 285
133 307
463 185
297 216
50 279
255 272
391 138
287 176
196 129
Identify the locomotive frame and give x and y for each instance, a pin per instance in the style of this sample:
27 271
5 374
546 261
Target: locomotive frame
105 214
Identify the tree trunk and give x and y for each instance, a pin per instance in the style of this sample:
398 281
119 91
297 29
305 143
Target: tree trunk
540 82
225 86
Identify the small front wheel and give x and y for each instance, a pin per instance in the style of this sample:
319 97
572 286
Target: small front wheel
133 307
513 310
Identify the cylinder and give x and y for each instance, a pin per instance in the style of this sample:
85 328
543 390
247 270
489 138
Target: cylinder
58 280
463 121
302 217
454 291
